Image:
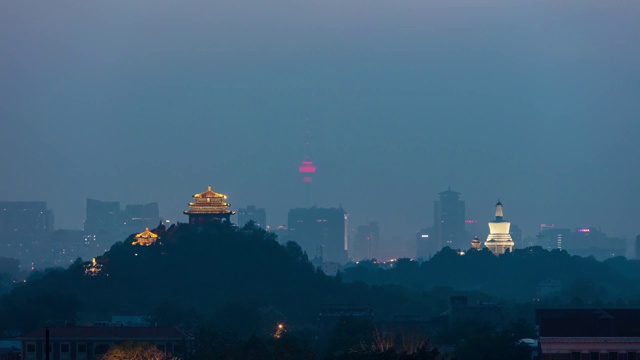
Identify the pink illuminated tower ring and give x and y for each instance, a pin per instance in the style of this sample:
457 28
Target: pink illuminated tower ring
307 169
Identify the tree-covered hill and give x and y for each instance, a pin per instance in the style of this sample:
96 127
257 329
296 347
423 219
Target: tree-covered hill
241 277
513 275
244 280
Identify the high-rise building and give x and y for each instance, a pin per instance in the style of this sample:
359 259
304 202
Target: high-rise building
103 225
474 227
102 215
590 241
251 213
64 248
426 244
106 223
208 206
25 228
25 217
499 239
448 220
516 234
550 237
140 216
321 232
282 233
367 242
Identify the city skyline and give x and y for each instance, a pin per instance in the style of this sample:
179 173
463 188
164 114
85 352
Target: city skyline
534 104
336 179
536 227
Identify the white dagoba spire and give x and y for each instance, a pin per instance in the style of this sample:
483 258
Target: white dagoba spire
499 210
499 239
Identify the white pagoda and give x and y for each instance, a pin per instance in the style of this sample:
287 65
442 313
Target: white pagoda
499 239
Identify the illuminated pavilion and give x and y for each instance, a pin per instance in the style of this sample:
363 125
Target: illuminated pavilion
208 206
499 239
93 268
145 238
476 244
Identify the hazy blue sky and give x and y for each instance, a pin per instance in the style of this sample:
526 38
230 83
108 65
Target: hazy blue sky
535 102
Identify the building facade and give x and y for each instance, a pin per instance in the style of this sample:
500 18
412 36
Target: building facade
448 220
321 232
91 342
251 213
590 241
366 244
106 223
140 216
26 228
588 334
426 244
550 237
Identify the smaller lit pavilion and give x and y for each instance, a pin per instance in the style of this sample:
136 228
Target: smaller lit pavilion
93 268
208 206
145 238
476 243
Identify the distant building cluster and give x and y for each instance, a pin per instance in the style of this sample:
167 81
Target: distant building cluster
585 241
106 223
451 228
251 213
27 231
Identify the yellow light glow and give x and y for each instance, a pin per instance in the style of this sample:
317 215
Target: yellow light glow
92 269
279 331
209 202
145 238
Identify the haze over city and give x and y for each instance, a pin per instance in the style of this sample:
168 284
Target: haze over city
534 103
319 180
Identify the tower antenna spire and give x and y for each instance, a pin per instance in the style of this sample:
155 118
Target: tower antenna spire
306 144
307 169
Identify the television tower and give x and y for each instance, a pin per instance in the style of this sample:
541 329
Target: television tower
307 169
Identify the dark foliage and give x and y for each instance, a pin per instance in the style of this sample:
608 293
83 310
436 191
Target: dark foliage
211 344
242 278
592 282
244 283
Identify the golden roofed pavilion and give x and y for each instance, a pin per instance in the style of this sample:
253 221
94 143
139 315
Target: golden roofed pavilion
476 244
93 268
208 206
145 238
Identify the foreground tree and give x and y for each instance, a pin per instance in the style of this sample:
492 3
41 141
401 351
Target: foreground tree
136 351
